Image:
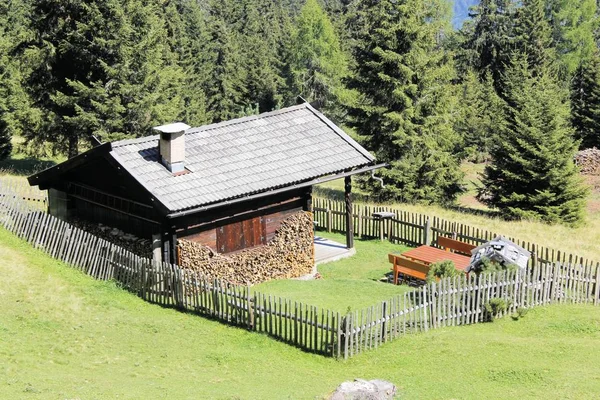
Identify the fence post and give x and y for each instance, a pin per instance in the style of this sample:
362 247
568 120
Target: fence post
250 308
597 288
427 232
343 337
329 222
383 322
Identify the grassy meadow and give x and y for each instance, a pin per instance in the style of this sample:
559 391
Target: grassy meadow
349 284
64 335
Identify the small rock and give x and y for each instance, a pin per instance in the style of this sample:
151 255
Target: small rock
361 389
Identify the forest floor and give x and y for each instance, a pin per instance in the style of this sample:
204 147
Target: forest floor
66 335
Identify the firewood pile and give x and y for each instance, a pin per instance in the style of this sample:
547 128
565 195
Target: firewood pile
141 247
588 161
288 255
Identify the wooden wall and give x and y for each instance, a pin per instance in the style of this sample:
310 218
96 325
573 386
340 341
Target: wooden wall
98 214
272 216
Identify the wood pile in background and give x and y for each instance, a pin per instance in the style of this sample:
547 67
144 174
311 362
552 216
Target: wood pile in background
138 246
290 254
588 161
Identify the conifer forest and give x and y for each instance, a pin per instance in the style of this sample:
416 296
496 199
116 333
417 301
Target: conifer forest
517 86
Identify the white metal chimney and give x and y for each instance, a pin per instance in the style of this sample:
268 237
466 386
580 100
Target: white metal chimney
171 145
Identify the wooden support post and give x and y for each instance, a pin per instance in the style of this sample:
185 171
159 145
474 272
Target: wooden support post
349 214
427 232
308 206
173 247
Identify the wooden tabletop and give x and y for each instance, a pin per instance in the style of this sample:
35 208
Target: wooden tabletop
431 255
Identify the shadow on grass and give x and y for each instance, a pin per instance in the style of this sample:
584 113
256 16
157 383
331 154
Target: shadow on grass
25 166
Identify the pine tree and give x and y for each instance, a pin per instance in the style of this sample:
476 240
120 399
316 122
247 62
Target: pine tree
585 102
226 92
533 35
533 174
260 45
319 63
480 115
487 38
405 104
16 113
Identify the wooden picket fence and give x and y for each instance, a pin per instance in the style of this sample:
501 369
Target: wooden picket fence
416 229
408 228
455 301
461 300
308 327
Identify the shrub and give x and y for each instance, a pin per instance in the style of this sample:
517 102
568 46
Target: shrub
488 266
520 313
441 269
495 307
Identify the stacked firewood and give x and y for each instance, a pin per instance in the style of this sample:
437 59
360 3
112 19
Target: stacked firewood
288 255
141 247
589 161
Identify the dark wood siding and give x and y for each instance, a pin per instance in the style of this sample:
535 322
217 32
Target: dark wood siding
240 229
241 235
258 233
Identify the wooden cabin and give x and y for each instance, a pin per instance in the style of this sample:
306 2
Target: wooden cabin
227 186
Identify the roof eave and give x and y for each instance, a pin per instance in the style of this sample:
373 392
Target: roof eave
45 178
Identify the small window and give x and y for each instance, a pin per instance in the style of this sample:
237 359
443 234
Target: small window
241 235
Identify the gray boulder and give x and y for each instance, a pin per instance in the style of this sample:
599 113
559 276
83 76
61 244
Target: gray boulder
365 390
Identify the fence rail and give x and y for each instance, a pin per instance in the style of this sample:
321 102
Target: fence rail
455 301
308 327
409 228
416 229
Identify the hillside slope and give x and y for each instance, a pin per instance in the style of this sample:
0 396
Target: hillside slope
64 335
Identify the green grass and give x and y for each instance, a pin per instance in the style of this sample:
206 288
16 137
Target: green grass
352 283
21 164
64 336
581 241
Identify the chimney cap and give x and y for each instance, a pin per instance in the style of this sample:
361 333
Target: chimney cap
172 128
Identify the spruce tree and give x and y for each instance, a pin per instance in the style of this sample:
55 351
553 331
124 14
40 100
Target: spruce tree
16 112
533 35
318 63
479 115
260 35
532 174
226 91
487 38
190 40
405 103
149 75
105 69
77 47
585 102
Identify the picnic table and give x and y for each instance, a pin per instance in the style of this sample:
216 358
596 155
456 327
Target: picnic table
430 255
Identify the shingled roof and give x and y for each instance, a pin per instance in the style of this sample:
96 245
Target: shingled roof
244 156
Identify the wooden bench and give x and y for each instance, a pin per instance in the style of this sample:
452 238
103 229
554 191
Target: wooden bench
406 266
455 246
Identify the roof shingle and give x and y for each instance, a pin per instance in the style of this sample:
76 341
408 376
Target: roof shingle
244 156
